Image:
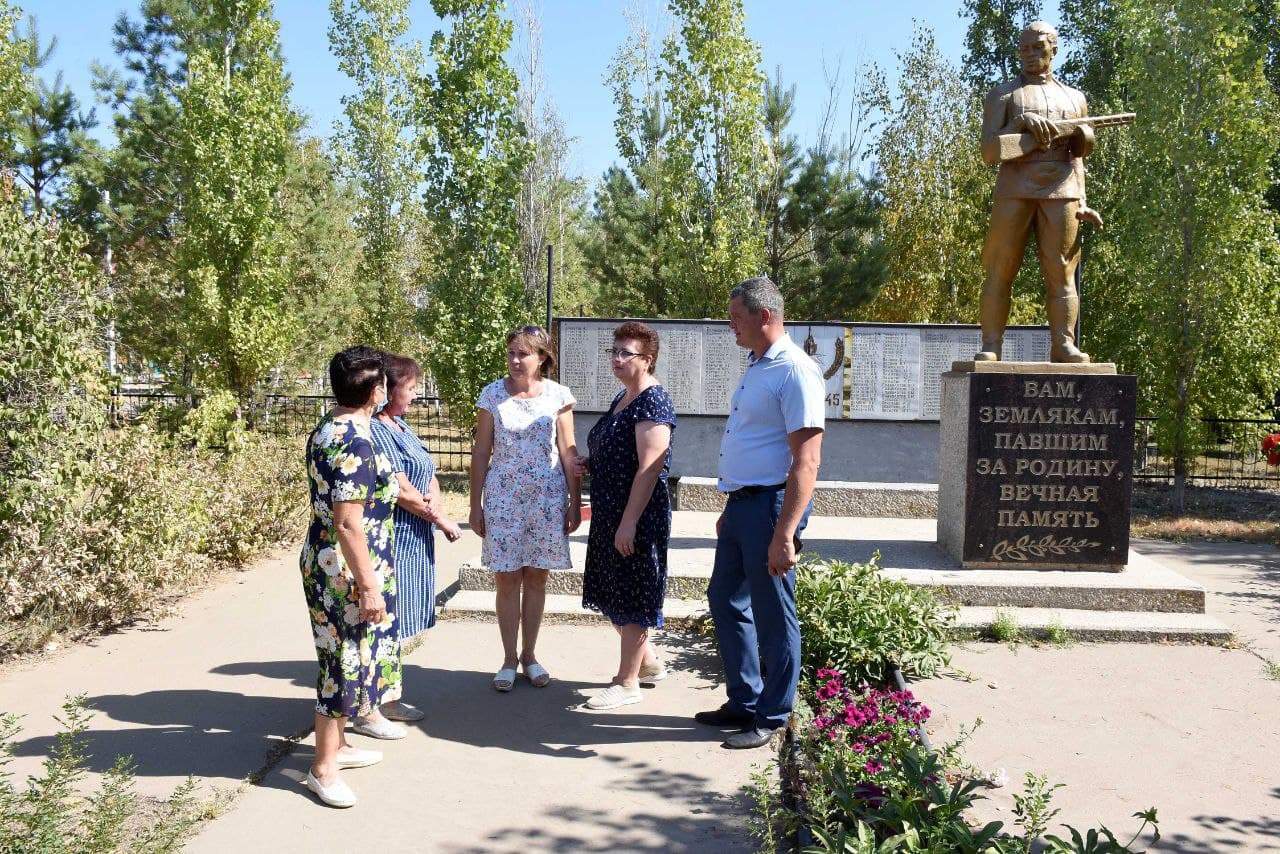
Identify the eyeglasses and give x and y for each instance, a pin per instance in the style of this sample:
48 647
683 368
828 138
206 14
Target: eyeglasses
620 353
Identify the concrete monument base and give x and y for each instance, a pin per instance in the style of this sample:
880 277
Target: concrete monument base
1034 465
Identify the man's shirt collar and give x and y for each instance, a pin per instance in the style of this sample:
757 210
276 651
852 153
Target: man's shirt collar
772 353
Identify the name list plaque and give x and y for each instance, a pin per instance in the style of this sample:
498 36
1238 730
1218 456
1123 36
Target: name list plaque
1035 468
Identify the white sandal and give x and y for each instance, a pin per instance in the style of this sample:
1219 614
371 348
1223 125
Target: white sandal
538 675
615 696
505 679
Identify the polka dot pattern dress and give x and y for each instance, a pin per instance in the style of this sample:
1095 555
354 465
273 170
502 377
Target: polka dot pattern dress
627 590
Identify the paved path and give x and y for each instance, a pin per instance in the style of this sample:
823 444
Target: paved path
215 689
1191 730
218 687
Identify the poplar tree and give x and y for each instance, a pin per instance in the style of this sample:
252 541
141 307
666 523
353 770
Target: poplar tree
231 146
378 149
475 148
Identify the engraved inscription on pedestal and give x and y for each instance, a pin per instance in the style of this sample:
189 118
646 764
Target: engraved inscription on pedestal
1049 464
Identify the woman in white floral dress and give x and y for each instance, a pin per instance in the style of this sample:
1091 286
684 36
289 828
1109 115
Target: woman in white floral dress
521 468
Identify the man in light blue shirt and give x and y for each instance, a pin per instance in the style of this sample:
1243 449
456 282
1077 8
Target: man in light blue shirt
768 465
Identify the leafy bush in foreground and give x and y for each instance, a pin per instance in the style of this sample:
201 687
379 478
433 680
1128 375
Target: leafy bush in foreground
855 620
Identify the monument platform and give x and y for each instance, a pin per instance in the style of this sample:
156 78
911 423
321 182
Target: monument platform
830 498
1146 602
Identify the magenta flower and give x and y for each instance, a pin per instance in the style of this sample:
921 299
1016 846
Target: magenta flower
873 767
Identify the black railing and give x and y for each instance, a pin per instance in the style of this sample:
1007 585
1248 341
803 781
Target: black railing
1232 458
295 415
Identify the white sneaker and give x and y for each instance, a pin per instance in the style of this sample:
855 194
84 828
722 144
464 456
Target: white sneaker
336 794
356 757
383 729
653 673
615 696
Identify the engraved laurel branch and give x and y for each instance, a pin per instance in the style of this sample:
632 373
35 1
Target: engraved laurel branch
1024 548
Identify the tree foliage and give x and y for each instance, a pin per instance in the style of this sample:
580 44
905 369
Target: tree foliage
991 40
378 149
475 148
1187 269
231 144
936 189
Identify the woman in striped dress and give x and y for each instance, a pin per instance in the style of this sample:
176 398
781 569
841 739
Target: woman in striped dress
417 512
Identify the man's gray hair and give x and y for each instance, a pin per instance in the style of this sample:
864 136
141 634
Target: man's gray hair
759 292
1043 28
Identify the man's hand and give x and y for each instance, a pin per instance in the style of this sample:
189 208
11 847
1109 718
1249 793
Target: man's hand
782 554
719 523
1088 214
1041 128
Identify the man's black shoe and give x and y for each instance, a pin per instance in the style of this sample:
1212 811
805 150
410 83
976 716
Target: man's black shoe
751 736
724 716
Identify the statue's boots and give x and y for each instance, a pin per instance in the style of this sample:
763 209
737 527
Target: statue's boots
1062 331
990 350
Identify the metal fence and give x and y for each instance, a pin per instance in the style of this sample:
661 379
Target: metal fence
1233 457
295 415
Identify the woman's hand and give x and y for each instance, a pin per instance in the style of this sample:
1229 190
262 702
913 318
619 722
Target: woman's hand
624 540
572 517
581 466
373 608
450 529
476 521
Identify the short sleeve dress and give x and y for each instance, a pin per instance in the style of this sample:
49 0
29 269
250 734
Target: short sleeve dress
415 549
359 661
525 492
627 590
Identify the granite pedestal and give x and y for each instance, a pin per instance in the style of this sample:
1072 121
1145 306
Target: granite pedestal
1035 465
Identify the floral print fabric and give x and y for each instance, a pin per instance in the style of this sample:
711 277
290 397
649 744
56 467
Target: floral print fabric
525 493
627 590
359 661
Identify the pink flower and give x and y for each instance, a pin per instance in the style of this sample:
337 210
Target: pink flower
859 747
873 767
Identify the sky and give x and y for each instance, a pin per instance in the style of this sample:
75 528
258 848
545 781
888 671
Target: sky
579 37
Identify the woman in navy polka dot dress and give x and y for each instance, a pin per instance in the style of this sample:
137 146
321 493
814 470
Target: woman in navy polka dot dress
630 454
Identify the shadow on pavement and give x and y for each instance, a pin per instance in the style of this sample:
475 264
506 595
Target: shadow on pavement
1225 833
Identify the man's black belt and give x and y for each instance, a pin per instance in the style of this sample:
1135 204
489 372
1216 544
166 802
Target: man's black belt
748 491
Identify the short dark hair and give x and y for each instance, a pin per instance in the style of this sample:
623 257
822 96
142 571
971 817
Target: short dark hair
537 340
645 334
757 293
400 369
354 373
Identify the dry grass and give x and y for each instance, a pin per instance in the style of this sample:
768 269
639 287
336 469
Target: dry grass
1240 515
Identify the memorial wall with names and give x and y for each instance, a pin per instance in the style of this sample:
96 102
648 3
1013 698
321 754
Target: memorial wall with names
872 371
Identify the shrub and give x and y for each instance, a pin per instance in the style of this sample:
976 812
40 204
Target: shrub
50 817
154 515
855 620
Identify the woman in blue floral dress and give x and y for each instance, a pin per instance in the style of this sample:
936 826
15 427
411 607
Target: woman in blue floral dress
348 571
630 454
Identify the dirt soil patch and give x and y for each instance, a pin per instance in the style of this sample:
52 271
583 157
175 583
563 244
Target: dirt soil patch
1237 515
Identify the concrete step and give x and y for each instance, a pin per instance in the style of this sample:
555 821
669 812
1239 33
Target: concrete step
907 552
830 498
562 608
1113 626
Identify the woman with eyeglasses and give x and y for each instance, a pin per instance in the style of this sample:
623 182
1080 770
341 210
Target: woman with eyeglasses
525 498
630 455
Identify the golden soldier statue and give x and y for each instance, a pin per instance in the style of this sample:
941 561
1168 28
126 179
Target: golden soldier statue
1037 129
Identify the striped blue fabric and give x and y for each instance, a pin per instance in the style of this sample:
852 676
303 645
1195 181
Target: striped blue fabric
415 549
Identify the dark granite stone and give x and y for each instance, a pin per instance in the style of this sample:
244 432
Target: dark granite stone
1051 460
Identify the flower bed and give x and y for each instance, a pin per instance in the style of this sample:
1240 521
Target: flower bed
856 776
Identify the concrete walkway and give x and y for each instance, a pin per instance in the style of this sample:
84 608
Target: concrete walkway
218 688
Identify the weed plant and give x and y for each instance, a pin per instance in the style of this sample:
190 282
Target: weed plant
1005 628
50 816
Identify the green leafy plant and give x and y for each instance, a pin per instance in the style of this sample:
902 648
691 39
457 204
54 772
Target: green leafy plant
1005 628
50 817
1057 634
855 620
